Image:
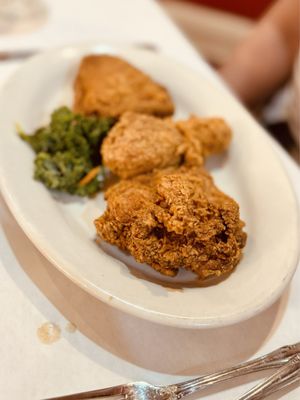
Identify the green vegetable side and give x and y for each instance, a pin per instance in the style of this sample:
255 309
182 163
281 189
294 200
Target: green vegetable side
67 152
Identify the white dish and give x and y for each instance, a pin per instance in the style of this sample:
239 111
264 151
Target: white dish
62 226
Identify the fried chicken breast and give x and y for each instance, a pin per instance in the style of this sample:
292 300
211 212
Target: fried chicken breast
109 86
174 219
141 143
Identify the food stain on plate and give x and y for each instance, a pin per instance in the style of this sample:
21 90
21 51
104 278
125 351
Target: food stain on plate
48 333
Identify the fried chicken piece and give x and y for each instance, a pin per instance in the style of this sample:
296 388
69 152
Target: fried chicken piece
174 219
204 137
109 86
141 143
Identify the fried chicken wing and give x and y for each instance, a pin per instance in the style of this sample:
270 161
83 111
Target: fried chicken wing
141 143
109 86
204 137
174 219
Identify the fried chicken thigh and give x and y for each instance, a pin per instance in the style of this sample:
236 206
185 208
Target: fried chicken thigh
109 86
174 219
141 143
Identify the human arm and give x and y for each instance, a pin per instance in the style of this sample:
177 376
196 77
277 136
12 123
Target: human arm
264 60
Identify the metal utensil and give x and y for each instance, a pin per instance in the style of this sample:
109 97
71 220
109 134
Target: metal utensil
12 55
284 377
145 391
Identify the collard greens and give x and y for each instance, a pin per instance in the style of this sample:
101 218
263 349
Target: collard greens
67 150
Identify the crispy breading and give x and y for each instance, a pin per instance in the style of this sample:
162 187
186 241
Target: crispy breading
109 86
139 143
174 219
204 137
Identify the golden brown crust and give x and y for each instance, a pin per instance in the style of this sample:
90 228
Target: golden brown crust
204 137
139 143
174 219
109 86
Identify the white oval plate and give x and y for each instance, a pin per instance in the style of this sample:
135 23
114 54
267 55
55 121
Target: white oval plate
62 226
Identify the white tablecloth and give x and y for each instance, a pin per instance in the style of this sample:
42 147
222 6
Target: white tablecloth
110 347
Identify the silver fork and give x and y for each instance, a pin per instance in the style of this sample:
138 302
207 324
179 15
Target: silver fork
146 391
284 377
